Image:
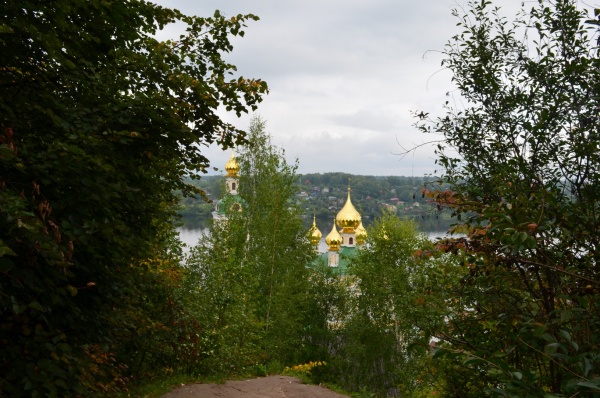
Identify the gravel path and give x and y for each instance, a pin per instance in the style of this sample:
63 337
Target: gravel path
262 387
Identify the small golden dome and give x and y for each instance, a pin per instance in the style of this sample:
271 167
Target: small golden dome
232 166
361 234
348 218
334 239
314 235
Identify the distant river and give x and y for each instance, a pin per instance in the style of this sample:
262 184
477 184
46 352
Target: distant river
190 237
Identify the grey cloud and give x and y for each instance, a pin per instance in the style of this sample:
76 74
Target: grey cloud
366 119
344 76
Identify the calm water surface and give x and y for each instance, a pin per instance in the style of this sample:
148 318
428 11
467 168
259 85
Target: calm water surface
190 237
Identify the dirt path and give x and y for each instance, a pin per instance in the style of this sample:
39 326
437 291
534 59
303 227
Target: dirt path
262 387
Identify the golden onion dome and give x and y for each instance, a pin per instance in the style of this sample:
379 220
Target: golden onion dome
361 234
348 218
334 239
314 235
232 166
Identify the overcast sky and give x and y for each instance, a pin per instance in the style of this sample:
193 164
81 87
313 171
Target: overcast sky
344 76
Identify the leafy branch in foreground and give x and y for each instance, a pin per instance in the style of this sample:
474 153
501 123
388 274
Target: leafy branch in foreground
523 161
100 122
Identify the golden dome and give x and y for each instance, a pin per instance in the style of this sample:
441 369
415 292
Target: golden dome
314 235
232 166
334 239
361 234
348 218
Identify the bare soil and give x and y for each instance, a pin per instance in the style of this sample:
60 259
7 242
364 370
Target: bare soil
262 387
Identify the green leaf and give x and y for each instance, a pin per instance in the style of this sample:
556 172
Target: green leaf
72 290
5 250
551 348
36 306
590 384
564 333
473 361
548 337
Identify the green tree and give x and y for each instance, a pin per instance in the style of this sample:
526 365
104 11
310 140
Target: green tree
222 301
277 249
99 123
252 268
522 157
394 310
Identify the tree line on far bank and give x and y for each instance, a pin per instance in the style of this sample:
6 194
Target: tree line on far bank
325 194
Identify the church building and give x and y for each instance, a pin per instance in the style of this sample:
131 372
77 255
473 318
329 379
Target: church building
231 201
342 244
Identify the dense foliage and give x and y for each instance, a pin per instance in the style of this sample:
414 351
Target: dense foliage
393 307
263 301
523 158
252 270
99 123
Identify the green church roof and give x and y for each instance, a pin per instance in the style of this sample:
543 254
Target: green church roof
346 254
231 203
